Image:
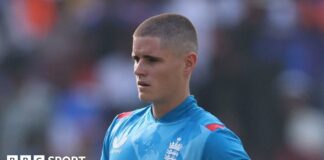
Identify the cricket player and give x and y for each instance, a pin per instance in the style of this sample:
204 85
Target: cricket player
173 126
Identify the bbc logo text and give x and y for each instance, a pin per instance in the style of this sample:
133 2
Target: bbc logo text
42 157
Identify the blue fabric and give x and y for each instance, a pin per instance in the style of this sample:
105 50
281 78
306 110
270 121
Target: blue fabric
179 135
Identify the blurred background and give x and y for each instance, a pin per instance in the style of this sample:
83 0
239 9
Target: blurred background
66 71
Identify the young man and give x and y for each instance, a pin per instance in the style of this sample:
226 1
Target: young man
173 127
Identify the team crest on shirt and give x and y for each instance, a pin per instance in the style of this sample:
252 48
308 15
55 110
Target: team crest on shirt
119 141
173 151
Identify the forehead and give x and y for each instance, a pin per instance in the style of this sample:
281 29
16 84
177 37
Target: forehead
144 45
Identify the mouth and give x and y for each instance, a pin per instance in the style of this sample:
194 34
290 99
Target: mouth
143 84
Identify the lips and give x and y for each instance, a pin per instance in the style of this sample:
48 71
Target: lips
143 84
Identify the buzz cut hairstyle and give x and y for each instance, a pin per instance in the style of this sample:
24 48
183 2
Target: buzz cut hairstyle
175 31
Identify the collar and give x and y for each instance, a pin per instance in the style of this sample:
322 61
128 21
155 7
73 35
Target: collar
179 112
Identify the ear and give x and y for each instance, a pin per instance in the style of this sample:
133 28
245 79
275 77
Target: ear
190 62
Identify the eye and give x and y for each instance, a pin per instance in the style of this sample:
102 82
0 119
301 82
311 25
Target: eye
151 59
135 58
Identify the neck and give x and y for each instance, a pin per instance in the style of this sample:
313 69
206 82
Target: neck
163 107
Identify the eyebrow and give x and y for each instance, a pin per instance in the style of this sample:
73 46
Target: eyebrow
148 57
152 57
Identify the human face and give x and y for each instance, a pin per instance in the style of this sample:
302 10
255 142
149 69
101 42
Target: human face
159 72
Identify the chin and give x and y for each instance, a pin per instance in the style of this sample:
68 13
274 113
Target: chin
144 97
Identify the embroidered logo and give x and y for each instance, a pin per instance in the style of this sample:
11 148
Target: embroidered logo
119 141
173 150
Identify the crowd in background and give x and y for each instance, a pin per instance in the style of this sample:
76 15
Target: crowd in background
66 71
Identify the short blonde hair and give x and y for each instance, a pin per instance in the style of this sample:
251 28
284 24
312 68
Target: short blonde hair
175 31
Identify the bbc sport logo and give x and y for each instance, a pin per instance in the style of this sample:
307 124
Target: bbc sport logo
42 157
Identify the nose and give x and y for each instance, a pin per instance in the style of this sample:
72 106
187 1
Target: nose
139 69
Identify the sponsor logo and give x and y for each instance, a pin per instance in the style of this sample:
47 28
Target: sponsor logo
119 141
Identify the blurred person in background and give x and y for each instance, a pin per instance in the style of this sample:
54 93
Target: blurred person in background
173 126
304 123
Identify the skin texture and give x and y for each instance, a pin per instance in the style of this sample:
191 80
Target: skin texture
162 76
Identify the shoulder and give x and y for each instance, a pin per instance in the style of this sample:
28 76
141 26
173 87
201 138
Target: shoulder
221 142
224 144
206 119
130 116
123 120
